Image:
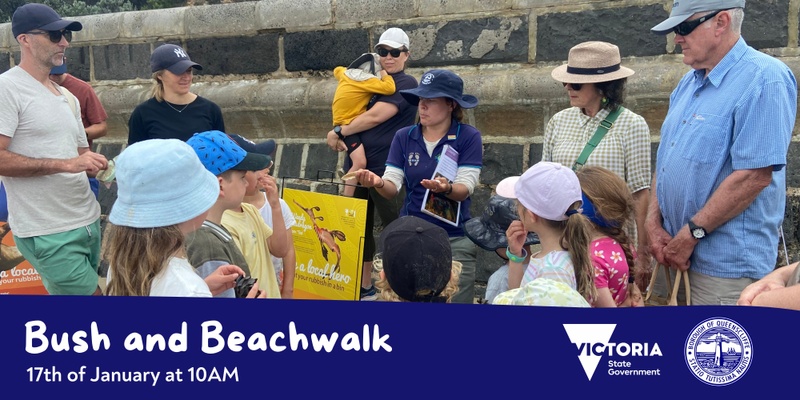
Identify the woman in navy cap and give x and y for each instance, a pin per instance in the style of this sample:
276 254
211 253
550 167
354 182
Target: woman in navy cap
174 112
415 153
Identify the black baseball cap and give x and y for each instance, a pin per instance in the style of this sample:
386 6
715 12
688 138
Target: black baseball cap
172 58
39 16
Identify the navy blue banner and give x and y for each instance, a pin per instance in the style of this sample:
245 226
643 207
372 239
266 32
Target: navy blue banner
114 347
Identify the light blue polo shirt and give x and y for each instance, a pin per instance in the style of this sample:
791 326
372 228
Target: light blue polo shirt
739 117
409 153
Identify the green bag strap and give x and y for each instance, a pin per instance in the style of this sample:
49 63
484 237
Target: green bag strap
601 131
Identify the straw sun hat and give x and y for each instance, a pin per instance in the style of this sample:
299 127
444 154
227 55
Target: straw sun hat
592 62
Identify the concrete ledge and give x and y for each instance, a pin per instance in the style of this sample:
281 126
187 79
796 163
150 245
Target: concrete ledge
98 27
429 8
221 19
515 100
359 11
153 23
288 14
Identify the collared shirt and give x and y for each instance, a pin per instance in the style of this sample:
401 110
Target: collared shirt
625 149
409 153
738 117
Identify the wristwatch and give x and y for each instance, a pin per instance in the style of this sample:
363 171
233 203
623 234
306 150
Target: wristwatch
698 232
338 131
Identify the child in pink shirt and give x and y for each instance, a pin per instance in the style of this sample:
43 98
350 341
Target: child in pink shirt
608 204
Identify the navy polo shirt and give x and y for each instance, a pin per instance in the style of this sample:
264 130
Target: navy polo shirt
409 153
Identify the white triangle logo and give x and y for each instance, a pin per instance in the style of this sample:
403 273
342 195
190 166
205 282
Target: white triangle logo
585 336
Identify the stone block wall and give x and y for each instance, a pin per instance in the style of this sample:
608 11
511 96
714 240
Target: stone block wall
268 65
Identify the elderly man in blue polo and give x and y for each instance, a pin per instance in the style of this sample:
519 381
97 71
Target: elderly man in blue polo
720 179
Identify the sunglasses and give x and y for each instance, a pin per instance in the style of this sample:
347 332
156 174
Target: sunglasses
394 52
55 36
686 27
574 86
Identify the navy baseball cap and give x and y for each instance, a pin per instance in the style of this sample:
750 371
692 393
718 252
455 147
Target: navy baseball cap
219 153
440 83
39 16
172 58
266 147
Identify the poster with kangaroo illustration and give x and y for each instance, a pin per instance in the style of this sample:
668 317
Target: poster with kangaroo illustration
329 242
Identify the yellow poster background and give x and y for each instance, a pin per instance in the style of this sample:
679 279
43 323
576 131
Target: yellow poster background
329 242
17 275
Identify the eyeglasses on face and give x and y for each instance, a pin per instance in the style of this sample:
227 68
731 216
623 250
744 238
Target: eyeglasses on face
574 86
686 27
55 36
383 52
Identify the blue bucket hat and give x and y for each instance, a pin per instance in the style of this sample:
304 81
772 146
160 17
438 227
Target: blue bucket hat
161 182
219 153
440 83
39 16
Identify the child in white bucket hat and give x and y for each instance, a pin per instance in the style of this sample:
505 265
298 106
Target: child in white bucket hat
164 193
549 201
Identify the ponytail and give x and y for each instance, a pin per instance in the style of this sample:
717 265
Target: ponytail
576 239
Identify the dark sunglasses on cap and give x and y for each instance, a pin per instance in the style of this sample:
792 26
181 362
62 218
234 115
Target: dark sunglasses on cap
686 27
574 86
394 52
55 36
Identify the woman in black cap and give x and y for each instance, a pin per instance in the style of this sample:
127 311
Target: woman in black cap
174 112
415 154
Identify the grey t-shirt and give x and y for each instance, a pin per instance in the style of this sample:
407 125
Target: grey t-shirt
43 125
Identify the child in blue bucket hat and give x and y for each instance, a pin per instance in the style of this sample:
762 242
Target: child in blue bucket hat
163 193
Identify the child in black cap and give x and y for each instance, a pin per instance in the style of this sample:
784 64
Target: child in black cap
427 274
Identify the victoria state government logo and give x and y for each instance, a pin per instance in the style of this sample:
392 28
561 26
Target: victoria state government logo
718 351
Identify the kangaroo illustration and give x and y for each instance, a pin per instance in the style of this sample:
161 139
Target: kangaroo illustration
327 239
10 257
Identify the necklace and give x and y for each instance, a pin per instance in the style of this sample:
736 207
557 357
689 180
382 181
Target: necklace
179 111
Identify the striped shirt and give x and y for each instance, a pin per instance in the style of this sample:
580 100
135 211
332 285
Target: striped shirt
738 117
555 265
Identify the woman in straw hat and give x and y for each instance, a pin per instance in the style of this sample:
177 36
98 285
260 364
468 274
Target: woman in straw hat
413 159
595 83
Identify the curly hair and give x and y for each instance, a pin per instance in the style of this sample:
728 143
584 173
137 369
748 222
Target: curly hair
613 92
387 294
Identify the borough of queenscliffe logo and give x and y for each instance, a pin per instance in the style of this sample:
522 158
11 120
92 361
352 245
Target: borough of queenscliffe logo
718 351
594 341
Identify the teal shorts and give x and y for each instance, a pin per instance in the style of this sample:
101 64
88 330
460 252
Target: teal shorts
67 261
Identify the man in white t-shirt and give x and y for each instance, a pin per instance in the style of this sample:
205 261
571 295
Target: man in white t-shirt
45 159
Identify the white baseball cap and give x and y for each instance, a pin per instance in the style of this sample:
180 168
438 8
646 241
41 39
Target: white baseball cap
395 38
548 189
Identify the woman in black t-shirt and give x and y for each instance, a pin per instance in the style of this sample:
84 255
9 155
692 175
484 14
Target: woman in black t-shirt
173 112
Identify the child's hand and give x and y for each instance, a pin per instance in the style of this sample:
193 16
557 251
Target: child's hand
271 189
516 235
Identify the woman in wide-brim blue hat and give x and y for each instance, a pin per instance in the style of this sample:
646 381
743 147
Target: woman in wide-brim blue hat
414 155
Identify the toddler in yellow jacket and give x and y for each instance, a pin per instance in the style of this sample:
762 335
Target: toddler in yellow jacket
358 82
